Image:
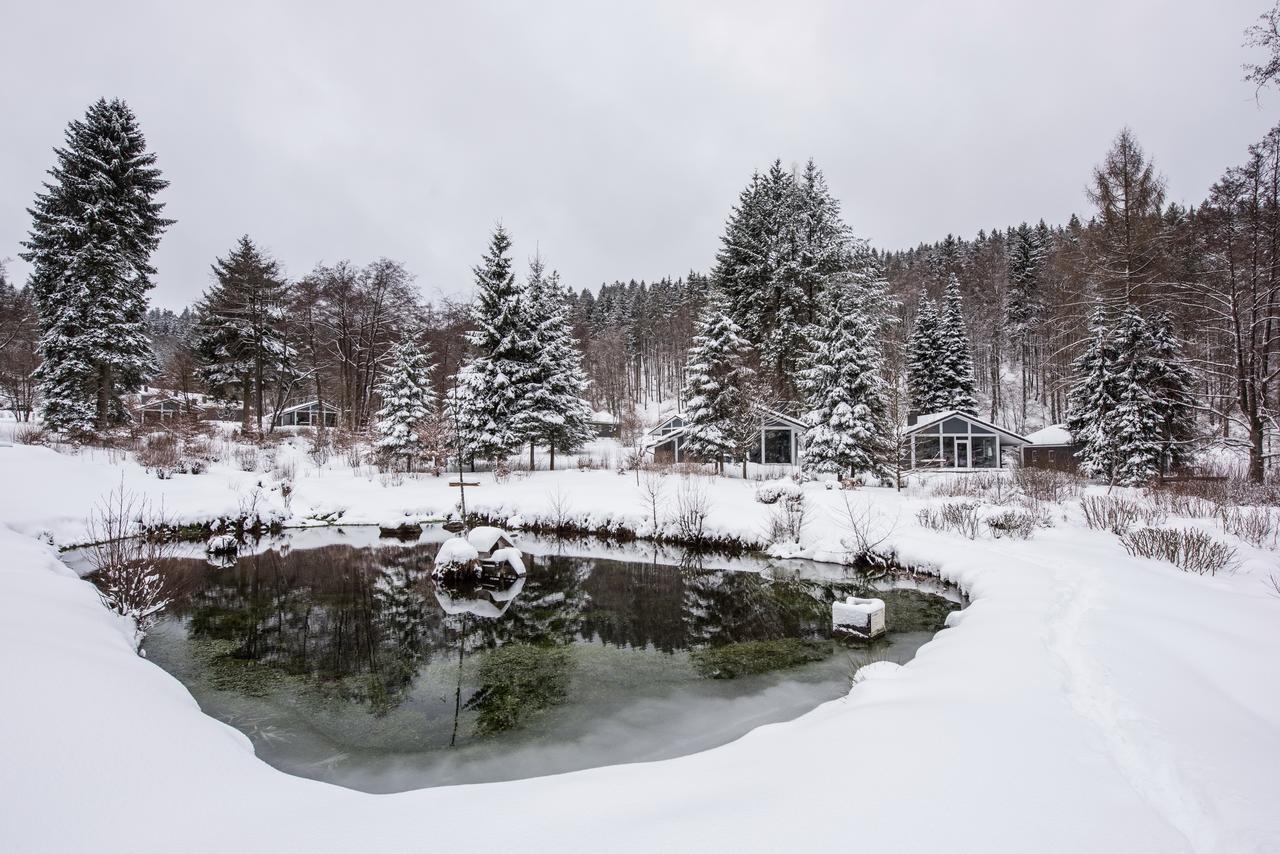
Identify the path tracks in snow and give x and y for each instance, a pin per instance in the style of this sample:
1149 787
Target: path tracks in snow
1140 754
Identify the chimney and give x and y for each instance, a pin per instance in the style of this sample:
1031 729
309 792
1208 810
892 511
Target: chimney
912 418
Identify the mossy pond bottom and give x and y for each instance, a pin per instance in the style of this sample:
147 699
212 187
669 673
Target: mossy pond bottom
342 660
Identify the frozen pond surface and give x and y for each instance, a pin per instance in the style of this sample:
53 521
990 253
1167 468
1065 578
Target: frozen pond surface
343 660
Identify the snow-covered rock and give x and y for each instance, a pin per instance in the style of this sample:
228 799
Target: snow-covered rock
876 670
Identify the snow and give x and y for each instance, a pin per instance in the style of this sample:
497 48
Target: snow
1084 701
484 537
456 552
1058 434
512 558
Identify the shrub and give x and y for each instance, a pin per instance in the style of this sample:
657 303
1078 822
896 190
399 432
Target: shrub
988 485
32 434
1189 549
246 457
1255 525
1046 485
1117 515
158 452
1018 524
692 507
961 517
787 517
771 493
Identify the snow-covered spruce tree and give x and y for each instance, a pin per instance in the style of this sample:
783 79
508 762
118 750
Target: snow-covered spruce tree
1172 384
240 331
408 402
497 375
1092 401
847 406
553 410
717 368
924 360
1135 426
94 227
957 386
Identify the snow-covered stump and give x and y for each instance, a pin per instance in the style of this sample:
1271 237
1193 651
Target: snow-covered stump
223 545
862 618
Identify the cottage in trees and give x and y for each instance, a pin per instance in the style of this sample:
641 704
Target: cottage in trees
779 442
956 441
1050 448
309 414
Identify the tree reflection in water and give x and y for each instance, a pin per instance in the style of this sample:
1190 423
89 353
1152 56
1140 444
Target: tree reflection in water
371 628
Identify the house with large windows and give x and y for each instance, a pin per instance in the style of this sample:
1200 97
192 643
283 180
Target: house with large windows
957 441
779 441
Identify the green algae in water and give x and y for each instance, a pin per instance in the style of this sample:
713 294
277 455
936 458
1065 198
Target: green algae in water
748 658
517 680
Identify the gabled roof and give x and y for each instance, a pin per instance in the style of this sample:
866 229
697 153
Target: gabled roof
1058 434
328 407
937 417
161 401
765 414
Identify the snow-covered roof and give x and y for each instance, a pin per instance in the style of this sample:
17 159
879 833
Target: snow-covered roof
602 417
1058 434
484 537
329 407
932 418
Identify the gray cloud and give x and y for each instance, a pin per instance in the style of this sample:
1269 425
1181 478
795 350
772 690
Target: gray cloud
613 138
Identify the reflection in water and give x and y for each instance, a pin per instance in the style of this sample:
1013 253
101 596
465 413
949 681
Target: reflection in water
355 665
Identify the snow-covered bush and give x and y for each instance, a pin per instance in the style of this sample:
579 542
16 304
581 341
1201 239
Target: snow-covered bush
126 556
32 434
1117 515
986 485
787 516
771 493
1189 549
961 517
246 457
1018 524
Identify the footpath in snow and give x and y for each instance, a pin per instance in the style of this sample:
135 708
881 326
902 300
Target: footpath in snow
1086 701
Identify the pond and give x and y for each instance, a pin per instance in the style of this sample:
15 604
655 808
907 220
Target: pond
342 659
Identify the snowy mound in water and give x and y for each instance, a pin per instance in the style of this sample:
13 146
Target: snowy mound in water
456 551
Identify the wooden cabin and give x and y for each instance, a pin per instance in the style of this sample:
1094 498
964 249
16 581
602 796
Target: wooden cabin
957 441
162 409
1051 448
605 424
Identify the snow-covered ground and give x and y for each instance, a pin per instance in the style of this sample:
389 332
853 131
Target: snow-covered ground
1084 701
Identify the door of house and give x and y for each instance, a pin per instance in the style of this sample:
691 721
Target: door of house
962 453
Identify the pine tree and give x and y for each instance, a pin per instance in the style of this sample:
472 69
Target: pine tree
408 402
847 419
93 230
240 331
497 375
1093 400
716 372
924 360
1172 383
956 380
1025 255
553 410
1135 426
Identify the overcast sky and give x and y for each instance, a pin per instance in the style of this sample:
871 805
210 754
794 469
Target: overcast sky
612 137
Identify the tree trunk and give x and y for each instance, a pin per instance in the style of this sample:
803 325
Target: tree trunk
552 448
246 402
104 398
